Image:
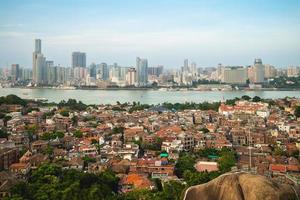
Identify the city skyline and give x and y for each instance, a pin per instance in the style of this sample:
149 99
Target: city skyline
163 32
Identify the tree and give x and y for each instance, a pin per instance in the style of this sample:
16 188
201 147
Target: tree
204 130
64 112
3 133
78 134
227 160
246 97
297 111
184 162
256 99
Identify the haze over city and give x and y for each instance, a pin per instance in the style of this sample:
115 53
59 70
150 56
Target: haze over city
208 32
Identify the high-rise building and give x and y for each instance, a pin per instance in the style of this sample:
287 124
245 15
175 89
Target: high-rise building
270 71
40 68
131 77
38 64
38 46
293 71
78 59
259 71
93 70
103 72
155 71
234 75
15 72
142 71
186 65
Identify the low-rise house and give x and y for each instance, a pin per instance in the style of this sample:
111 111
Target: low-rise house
134 181
20 170
8 156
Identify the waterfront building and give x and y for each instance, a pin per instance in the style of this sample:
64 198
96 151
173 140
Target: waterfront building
142 71
131 77
15 72
293 71
38 63
103 72
234 75
270 71
259 71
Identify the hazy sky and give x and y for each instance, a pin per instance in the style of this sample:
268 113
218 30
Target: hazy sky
232 32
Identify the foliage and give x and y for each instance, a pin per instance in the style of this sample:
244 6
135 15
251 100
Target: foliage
78 134
138 106
185 162
116 130
285 82
297 111
256 99
246 97
52 135
72 104
227 160
196 178
155 146
64 112
204 130
172 190
192 105
3 133
51 182
12 99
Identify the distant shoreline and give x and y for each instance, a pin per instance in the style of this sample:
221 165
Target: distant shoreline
158 88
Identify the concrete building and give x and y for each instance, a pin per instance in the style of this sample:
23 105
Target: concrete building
155 71
259 71
293 71
15 72
78 59
234 75
131 77
142 71
270 71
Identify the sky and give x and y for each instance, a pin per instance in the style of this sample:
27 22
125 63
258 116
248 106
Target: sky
208 32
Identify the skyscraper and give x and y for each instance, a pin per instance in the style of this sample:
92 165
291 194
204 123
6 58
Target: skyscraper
103 72
15 72
38 46
78 59
38 64
259 71
142 71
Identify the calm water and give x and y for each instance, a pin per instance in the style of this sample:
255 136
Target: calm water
143 96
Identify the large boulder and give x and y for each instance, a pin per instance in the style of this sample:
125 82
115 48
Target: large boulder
241 186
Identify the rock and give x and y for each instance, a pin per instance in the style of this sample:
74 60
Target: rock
241 186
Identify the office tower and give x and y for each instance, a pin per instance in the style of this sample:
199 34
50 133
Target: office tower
26 74
186 65
155 71
93 70
103 72
131 76
259 71
15 72
114 73
122 73
40 68
38 64
38 46
78 59
234 75
142 71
